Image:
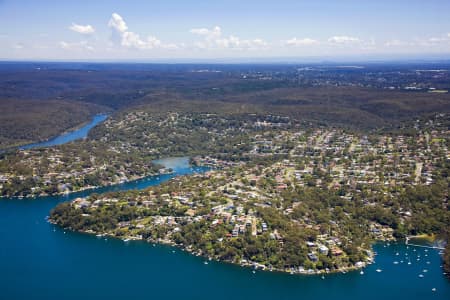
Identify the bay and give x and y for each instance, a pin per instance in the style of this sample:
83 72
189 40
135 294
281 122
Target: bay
41 261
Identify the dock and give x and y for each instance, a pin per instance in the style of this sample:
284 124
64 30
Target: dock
422 246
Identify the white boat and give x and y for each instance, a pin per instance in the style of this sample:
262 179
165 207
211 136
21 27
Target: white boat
421 275
433 289
379 270
362 272
205 262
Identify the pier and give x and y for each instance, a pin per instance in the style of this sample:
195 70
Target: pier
422 246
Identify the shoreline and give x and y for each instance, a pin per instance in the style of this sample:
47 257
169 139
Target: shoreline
248 264
431 238
86 188
63 133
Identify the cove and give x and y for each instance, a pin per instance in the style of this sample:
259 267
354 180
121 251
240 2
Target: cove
41 261
80 133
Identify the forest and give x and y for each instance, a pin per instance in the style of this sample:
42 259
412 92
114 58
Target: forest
164 110
41 100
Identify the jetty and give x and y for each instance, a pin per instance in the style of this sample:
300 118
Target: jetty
421 246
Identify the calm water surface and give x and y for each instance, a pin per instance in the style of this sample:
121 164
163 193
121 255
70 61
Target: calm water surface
41 261
70 136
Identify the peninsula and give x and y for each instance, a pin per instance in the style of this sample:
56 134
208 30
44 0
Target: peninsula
286 198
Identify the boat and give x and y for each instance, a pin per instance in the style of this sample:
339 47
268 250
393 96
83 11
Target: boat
323 277
421 275
395 262
362 272
205 262
433 289
126 240
378 270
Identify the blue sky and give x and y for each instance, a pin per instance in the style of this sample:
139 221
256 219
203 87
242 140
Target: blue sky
175 29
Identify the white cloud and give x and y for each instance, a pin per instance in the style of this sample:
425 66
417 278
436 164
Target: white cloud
368 45
83 45
129 39
18 46
396 43
209 34
435 40
343 39
301 42
117 23
212 39
83 29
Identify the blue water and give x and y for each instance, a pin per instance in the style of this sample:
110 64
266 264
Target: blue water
41 261
70 136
